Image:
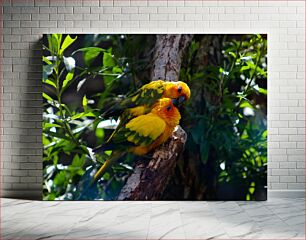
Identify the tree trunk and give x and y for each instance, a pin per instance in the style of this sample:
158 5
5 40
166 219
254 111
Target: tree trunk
197 180
149 179
169 50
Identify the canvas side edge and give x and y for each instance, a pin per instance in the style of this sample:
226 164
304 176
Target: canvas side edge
22 194
37 194
298 193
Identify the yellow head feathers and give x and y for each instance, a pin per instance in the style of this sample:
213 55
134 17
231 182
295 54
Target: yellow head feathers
176 90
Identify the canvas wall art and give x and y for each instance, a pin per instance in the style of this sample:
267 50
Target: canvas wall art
154 117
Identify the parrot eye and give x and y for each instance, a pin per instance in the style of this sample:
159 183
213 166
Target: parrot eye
179 89
169 108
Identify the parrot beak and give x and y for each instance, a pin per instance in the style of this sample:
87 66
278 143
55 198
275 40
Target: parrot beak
181 99
175 102
178 101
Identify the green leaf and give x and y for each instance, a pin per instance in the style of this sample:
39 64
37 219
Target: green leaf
83 114
57 135
251 190
48 81
108 152
100 133
67 42
50 125
46 60
59 39
69 77
68 146
232 54
89 56
84 102
85 149
263 91
77 161
77 164
54 41
244 68
248 197
108 60
245 104
97 49
46 96
60 179
117 70
51 44
45 140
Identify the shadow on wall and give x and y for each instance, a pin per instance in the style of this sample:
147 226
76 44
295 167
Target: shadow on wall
28 149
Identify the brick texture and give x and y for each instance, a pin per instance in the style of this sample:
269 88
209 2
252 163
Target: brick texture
24 22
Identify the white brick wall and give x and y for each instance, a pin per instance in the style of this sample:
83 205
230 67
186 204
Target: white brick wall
24 22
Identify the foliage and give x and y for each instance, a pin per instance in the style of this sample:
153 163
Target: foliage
225 119
78 82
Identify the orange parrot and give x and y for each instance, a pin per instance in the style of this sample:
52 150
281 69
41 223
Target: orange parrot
141 102
141 134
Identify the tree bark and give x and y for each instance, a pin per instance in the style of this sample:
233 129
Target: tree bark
167 58
149 179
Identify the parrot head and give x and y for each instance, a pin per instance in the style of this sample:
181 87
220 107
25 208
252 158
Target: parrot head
177 90
165 109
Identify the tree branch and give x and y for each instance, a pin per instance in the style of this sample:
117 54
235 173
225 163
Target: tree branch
167 58
149 179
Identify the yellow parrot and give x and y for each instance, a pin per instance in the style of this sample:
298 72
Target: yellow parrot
148 94
142 100
141 134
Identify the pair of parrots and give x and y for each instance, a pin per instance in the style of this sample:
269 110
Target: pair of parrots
148 119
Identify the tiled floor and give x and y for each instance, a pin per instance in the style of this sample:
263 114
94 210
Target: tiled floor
273 219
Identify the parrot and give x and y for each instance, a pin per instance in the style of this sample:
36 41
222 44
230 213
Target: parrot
148 94
141 134
141 101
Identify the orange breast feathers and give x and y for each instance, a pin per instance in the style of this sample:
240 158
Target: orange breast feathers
151 130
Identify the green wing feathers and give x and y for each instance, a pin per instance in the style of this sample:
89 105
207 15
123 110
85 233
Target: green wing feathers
147 94
144 97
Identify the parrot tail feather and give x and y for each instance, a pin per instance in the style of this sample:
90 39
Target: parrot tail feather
106 165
